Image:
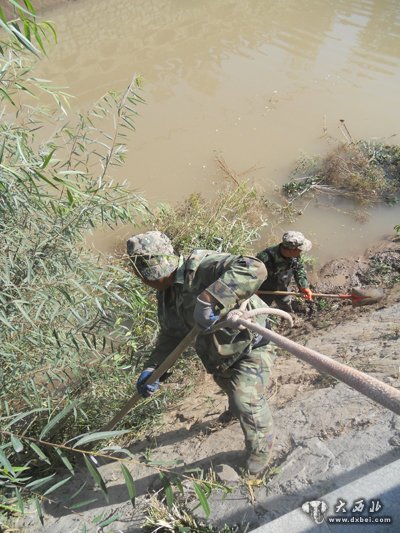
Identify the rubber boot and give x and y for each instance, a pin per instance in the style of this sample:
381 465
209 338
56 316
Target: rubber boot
257 462
226 417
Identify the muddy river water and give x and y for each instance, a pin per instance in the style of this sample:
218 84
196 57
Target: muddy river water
257 81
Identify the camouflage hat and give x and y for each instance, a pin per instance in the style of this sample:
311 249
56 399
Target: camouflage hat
152 255
294 240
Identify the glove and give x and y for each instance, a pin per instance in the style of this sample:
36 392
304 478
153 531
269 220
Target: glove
147 390
307 293
203 314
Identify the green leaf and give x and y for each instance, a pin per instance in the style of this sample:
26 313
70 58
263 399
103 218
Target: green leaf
2 146
2 16
82 504
39 510
75 494
54 421
6 322
57 485
43 177
73 338
202 499
26 413
108 521
70 196
98 518
179 485
47 24
19 306
18 6
169 494
27 29
93 471
130 484
39 453
39 39
30 7
100 307
86 339
57 338
65 294
41 305
20 501
23 40
117 449
8 97
65 460
6 463
17 444
99 436
8 508
39 482
47 159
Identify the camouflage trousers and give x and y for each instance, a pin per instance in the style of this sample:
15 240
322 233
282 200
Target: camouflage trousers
245 384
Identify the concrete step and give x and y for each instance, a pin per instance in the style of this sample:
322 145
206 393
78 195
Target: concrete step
376 495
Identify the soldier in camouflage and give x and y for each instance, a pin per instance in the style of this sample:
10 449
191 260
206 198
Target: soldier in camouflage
198 290
283 262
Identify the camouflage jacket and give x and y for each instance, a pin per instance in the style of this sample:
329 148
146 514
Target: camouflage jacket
231 280
281 270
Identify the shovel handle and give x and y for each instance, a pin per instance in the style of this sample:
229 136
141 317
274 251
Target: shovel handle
321 294
158 372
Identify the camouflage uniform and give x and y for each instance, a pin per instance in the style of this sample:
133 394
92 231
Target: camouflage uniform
240 361
281 270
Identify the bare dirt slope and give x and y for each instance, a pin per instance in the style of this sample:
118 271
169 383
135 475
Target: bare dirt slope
327 433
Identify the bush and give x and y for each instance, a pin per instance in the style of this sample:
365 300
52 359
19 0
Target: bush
365 171
68 321
231 222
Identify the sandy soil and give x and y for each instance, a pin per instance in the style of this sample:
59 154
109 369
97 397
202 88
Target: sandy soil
327 433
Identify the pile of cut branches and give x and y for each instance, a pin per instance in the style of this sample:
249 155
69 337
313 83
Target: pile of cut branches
367 172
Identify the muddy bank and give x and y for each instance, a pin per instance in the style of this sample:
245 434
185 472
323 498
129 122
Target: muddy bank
327 433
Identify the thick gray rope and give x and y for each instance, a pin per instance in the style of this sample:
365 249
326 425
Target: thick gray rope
378 391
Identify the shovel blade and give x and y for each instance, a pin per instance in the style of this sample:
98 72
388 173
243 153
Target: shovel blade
369 296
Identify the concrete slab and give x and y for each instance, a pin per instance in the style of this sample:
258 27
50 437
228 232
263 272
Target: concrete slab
371 502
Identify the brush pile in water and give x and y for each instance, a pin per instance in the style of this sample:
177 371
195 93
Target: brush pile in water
365 171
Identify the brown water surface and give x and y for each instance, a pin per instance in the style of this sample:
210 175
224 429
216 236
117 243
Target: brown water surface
259 82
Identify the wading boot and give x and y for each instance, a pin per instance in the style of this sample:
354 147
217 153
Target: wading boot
257 462
226 418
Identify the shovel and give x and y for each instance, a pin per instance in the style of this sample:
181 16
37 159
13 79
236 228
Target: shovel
158 372
358 296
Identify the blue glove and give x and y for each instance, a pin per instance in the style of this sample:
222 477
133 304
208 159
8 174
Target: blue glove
147 390
204 314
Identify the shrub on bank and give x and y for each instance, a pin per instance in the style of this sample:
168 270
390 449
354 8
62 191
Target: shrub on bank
68 320
229 222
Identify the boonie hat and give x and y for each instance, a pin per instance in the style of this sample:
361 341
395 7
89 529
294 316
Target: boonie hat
294 240
152 255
